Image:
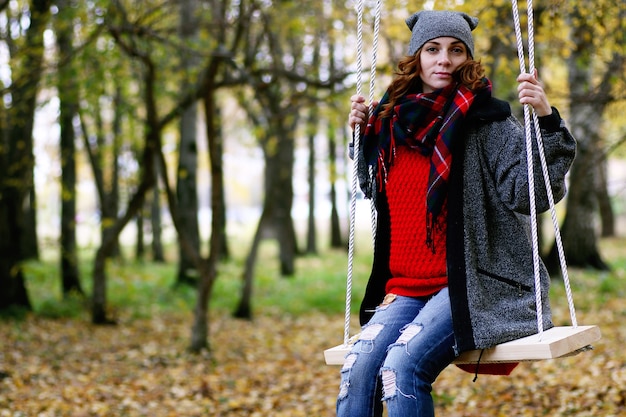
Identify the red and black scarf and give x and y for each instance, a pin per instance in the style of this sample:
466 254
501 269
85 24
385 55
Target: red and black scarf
428 122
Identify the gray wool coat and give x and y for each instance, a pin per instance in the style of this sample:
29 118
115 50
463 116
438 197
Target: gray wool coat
489 253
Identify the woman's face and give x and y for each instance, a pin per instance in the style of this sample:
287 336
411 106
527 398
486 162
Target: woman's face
439 58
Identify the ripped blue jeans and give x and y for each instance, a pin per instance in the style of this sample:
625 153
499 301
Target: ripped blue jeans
401 351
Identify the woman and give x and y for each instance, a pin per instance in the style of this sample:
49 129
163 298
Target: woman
445 164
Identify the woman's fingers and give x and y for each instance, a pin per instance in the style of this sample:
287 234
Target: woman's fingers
531 92
358 111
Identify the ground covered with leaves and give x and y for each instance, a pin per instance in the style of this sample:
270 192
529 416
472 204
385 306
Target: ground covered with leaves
274 366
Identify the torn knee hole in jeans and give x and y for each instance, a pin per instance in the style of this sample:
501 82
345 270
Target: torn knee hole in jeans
350 359
370 332
366 339
343 390
390 387
345 375
409 332
389 383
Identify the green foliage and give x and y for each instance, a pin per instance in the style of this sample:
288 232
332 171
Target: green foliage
136 289
72 306
610 285
592 289
14 312
145 289
319 285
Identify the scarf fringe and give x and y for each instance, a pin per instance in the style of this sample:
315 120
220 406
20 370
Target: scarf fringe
432 224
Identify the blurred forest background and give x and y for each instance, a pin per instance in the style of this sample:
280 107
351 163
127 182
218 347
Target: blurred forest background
188 133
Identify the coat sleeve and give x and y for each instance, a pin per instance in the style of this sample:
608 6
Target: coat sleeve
505 152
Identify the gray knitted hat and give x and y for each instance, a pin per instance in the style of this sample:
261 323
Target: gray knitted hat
431 24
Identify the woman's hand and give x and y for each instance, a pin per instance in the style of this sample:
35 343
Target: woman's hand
358 112
531 92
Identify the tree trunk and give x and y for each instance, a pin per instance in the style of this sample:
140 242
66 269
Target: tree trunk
99 296
279 199
588 99
186 186
68 98
140 247
311 241
208 268
579 231
186 190
14 293
16 157
244 308
217 169
335 225
99 291
200 327
336 240
30 246
152 148
156 218
110 196
276 220
607 217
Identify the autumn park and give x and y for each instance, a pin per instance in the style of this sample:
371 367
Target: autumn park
176 203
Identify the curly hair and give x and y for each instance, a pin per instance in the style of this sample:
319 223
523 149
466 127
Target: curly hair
470 73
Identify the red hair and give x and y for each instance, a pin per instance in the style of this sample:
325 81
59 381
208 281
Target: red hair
471 73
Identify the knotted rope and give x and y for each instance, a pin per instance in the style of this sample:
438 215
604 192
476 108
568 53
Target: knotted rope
357 145
544 168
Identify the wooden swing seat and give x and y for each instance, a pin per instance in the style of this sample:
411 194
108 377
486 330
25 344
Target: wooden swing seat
556 342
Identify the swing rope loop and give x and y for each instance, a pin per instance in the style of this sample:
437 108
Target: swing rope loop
354 188
373 69
357 144
529 161
546 177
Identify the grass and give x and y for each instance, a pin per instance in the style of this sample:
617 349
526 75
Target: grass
142 289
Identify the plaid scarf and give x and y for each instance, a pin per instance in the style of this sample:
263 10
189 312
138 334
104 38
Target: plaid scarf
428 122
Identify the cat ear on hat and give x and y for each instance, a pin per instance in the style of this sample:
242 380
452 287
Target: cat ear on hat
412 20
471 21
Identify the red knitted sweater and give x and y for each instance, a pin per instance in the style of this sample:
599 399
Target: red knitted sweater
415 270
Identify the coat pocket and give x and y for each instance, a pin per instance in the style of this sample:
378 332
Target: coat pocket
521 288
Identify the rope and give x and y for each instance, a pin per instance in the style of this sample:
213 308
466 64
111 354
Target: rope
357 144
529 162
354 190
546 177
377 14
